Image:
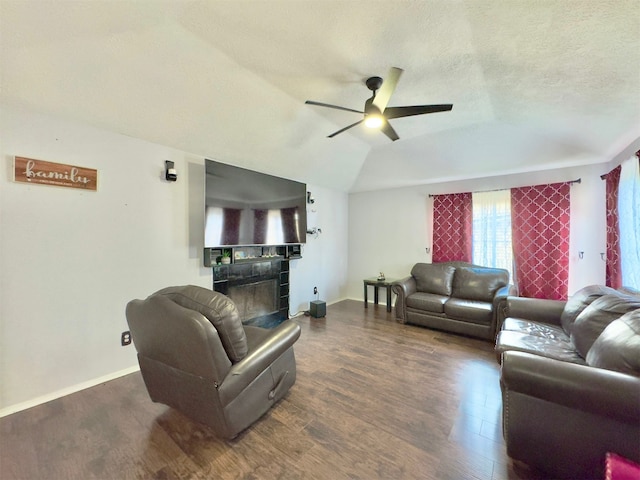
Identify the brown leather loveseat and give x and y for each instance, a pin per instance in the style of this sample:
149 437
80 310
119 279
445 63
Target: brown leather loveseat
457 297
570 381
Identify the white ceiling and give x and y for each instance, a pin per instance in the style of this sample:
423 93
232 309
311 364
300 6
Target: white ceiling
535 84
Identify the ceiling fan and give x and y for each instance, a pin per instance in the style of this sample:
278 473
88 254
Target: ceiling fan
376 113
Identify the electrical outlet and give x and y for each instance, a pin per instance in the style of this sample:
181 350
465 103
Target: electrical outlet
125 338
315 290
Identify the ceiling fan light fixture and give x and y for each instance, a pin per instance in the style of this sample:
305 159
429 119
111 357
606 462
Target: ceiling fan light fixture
376 111
374 120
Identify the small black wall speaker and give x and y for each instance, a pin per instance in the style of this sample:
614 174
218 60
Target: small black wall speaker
318 309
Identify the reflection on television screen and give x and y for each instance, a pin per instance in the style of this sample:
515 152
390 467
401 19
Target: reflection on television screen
243 207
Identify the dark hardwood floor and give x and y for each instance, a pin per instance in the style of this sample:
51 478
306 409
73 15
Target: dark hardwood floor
374 399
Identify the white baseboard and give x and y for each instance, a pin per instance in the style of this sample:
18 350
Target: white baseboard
66 391
381 301
339 300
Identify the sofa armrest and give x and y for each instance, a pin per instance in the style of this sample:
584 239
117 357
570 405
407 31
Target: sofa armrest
500 306
593 390
403 288
241 374
503 293
535 309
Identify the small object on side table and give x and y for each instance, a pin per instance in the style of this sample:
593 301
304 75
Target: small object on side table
381 277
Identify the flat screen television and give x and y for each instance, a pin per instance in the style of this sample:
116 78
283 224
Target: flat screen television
243 208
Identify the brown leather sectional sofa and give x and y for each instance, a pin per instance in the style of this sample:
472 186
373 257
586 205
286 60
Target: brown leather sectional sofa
457 297
570 381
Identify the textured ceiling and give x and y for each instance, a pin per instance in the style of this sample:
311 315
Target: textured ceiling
535 84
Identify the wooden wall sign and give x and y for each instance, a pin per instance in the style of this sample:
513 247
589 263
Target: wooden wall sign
29 170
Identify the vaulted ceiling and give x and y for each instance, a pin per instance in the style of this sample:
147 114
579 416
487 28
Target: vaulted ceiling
535 84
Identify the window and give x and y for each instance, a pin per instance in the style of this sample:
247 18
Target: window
492 230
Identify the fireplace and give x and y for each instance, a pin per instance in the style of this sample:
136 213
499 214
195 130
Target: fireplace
255 299
259 288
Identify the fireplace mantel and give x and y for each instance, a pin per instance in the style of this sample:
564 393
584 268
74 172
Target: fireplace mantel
251 253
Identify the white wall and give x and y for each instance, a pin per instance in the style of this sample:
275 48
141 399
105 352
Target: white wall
324 256
70 260
391 229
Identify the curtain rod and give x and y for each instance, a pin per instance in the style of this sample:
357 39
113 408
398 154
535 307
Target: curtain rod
571 182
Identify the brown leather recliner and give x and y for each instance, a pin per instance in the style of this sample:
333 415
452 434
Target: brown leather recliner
197 357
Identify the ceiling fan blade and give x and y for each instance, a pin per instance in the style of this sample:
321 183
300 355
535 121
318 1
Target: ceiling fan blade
388 86
388 130
398 112
311 102
345 128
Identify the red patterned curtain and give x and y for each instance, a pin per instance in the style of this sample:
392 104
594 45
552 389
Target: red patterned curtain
540 226
613 263
452 224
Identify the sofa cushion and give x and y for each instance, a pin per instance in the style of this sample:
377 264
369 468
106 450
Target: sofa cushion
429 302
579 301
528 327
433 277
556 348
618 346
480 284
471 311
219 310
597 316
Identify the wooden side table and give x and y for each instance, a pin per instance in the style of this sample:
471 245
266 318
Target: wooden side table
375 283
